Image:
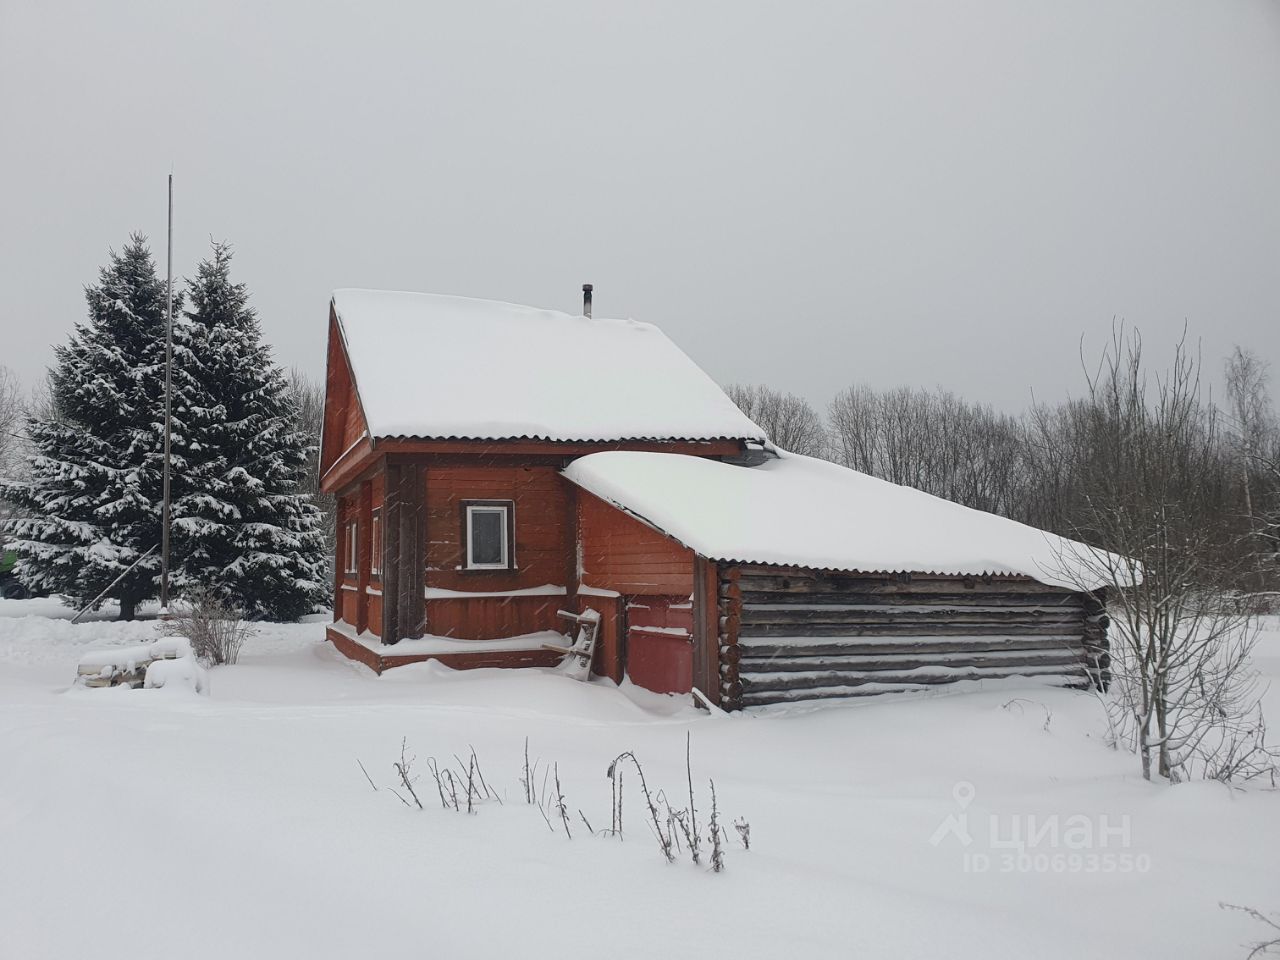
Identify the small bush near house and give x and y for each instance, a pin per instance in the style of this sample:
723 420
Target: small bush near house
216 629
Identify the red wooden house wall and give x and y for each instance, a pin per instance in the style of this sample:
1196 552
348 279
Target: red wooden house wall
358 599
543 548
648 627
558 529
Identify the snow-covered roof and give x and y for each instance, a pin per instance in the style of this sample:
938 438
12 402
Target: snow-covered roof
798 511
427 365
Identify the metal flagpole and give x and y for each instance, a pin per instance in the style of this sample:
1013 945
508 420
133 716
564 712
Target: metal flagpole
168 413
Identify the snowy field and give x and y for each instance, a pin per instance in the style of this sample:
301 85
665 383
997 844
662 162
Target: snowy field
147 824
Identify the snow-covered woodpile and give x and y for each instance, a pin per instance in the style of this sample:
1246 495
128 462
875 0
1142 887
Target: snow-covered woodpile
168 661
789 634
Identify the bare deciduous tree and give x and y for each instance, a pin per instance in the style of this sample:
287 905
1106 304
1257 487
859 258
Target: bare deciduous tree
11 411
790 421
1151 492
1251 426
934 442
1255 438
308 398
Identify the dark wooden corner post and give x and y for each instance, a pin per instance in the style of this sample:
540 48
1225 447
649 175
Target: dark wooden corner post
1096 645
404 551
364 556
728 623
339 557
706 628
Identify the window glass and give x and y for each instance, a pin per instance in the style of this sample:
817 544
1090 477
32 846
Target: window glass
488 546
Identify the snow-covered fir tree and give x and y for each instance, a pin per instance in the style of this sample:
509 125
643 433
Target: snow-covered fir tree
90 504
243 527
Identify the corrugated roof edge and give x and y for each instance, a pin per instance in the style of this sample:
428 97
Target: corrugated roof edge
716 558
958 574
546 439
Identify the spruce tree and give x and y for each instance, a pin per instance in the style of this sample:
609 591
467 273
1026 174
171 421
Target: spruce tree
243 526
90 506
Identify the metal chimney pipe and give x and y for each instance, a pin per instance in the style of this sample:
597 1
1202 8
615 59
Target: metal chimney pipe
586 300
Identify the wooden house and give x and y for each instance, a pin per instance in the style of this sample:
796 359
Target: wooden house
496 464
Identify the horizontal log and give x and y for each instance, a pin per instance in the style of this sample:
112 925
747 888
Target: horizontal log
766 698
902 630
1058 657
752 683
760 648
833 583
864 616
955 597
762 698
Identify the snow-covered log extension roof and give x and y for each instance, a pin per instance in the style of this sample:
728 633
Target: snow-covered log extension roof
797 511
444 367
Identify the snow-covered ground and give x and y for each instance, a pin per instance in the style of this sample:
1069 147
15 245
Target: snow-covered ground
164 824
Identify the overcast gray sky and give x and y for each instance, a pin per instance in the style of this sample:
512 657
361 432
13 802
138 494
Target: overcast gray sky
929 193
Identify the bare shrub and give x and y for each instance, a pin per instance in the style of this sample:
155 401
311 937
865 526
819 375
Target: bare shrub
1153 496
744 832
715 833
666 842
679 822
463 787
216 629
404 769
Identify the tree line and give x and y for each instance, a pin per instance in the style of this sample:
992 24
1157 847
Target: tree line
1135 438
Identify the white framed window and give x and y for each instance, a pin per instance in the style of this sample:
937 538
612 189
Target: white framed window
487 532
375 544
352 531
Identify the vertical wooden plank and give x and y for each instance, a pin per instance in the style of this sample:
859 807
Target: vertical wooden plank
339 554
404 557
706 639
621 638
572 545
412 555
391 556
364 553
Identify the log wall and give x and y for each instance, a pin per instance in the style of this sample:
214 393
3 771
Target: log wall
787 634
